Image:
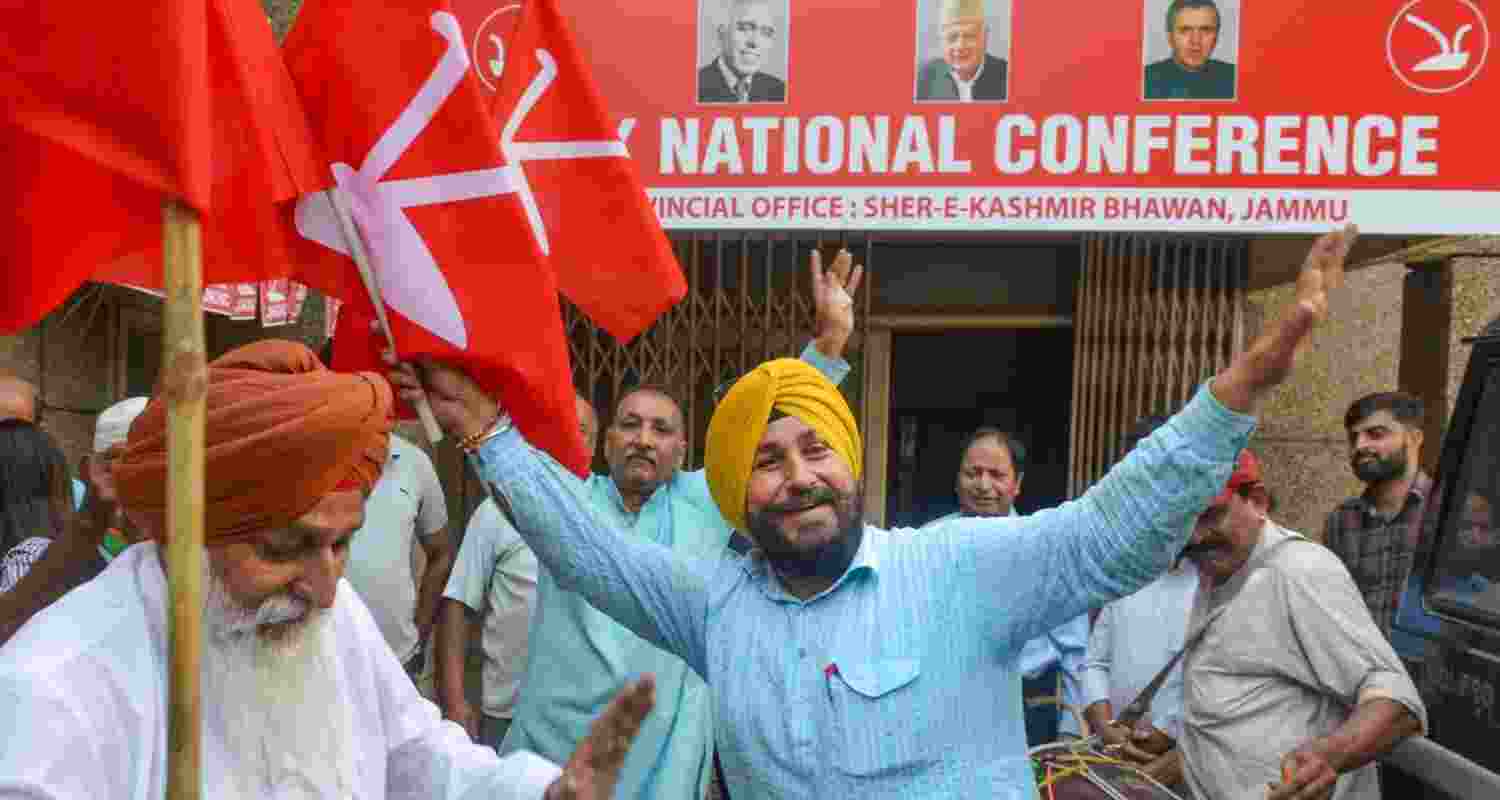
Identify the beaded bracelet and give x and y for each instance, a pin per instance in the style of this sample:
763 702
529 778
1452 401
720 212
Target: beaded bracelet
499 425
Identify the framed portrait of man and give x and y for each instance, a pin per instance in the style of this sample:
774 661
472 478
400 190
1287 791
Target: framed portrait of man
742 51
963 51
1191 50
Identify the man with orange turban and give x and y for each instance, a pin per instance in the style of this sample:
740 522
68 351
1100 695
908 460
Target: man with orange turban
849 661
301 697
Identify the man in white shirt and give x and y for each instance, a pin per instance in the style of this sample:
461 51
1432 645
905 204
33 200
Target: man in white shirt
1133 638
494 575
406 508
301 696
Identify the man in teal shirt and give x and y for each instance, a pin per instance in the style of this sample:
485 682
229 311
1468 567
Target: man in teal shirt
1191 73
577 657
849 661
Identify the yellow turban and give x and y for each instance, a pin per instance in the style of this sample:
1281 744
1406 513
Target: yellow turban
787 385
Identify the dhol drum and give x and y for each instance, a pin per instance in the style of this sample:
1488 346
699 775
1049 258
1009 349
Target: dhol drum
1078 770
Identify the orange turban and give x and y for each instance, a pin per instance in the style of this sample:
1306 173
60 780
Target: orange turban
282 431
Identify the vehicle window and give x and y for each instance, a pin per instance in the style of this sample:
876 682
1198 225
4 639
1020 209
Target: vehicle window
1466 577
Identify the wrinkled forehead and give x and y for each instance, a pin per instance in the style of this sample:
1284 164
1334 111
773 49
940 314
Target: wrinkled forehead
786 432
338 513
648 404
987 451
967 25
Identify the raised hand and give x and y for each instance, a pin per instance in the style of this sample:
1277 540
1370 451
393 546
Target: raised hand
1270 358
595 766
460 406
833 299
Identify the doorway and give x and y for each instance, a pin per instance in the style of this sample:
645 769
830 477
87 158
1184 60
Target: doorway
945 384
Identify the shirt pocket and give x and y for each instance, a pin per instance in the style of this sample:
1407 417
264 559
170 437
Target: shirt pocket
878 716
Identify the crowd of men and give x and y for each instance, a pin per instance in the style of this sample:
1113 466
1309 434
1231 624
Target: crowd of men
793 650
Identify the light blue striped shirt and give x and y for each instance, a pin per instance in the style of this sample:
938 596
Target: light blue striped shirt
899 681
1065 647
577 658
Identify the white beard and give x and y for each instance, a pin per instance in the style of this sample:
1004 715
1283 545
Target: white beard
274 704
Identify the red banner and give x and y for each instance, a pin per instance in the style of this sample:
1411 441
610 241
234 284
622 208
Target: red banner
1275 116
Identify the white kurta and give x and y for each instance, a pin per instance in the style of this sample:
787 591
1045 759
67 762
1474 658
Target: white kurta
84 691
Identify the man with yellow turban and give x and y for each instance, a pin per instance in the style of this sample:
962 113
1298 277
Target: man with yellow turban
301 697
849 661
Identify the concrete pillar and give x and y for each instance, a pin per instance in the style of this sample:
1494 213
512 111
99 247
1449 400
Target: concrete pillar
1426 339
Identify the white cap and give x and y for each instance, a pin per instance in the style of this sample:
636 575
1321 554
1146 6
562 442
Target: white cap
113 425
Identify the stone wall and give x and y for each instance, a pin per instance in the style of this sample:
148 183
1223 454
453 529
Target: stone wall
70 358
1301 437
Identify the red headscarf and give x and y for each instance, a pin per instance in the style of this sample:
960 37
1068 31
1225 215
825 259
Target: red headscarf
282 431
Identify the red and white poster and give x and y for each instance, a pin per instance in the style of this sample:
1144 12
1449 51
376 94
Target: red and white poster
948 115
275 302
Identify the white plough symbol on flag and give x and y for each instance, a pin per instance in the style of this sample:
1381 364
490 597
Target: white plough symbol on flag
410 279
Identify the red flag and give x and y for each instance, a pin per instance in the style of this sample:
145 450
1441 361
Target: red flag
110 108
387 87
588 207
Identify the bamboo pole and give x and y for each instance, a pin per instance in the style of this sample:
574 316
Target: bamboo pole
185 386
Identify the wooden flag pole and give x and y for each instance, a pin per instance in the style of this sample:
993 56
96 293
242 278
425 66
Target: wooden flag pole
185 386
361 257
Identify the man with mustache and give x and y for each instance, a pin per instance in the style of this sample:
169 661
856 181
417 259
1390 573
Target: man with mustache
301 696
746 36
1376 533
576 654
1291 677
990 469
845 660
1191 73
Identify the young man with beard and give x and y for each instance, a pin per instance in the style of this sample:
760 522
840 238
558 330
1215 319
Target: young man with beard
1376 533
845 660
576 654
301 696
1290 675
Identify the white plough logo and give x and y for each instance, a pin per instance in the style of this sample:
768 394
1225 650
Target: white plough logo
410 279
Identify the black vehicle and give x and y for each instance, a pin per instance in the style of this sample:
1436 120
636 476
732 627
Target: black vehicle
1448 625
